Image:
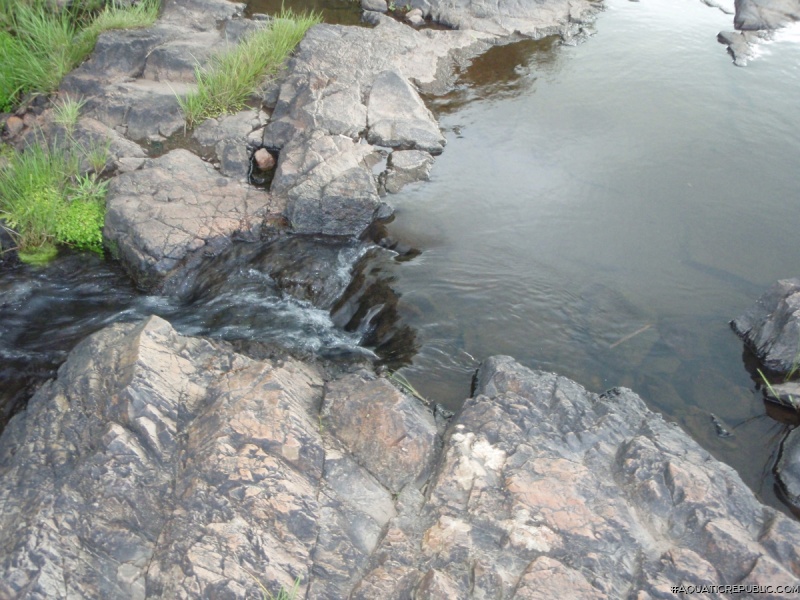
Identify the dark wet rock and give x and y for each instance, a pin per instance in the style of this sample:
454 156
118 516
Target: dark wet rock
787 470
765 14
536 19
175 467
771 327
376 5
407 166
397 117
175 205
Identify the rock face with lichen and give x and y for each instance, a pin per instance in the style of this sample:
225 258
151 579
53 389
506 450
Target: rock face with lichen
163 466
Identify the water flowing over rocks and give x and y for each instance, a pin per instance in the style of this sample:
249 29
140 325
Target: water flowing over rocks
162 466
753 21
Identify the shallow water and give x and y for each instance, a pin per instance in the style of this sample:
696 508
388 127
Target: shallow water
638 185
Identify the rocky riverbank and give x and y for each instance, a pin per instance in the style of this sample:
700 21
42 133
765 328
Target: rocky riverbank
163 466
160 466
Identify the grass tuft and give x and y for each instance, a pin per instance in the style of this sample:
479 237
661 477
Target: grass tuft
66 112
44 201
39 45
232 76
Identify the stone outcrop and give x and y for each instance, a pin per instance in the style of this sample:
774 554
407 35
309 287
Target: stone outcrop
771 327
162 466
174 205
349 90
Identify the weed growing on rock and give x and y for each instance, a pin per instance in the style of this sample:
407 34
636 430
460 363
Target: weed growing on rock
66 112
284 594
39 44
232 76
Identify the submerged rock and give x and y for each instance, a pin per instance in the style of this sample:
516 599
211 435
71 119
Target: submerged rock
162 466
771 327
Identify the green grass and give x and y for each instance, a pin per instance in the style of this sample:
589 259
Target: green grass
66 112
283 594
232 76
44 201
39 45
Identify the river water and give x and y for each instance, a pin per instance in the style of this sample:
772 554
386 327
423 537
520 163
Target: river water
638 183
601 210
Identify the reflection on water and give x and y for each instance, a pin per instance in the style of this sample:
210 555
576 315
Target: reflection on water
342 12
501 72
604 211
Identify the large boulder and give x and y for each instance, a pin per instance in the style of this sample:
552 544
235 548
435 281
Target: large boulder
163 466
771 326
544 490
765 14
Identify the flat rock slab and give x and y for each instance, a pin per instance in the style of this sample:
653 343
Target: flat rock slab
531 18
771 327
397 117
174 205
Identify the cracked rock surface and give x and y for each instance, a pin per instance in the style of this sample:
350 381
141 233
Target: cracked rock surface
174 205
163 466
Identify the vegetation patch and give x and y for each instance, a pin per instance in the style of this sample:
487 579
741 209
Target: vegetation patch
45 200
234 75
40 44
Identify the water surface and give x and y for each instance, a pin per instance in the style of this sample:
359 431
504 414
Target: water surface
638 183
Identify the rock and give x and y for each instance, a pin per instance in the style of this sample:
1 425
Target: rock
415 20
326 96
174 205
407 166
264 160
787 471
397 117
771 327
14 125
786 394
741 45
367 414
765 14
531 19
376 5
229 136
329 184
178 468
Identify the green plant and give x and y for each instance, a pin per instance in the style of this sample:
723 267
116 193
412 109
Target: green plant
45 201
66 112
226 83
97 155
283 594
406 386
40 44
